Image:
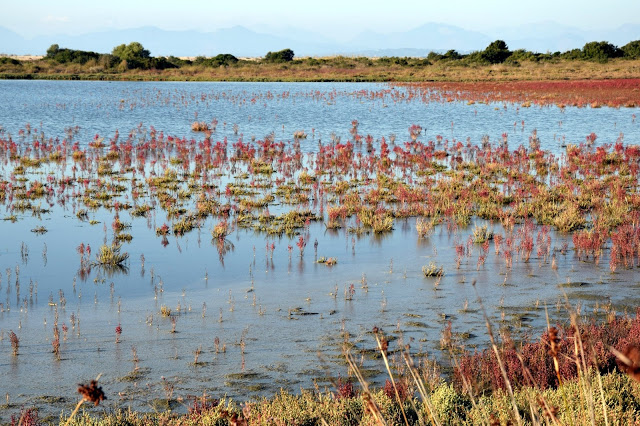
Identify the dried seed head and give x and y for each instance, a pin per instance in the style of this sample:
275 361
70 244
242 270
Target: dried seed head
92 392
633 368
554 342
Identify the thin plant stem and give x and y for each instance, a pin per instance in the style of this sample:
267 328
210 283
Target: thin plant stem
514 405
74 412
386 364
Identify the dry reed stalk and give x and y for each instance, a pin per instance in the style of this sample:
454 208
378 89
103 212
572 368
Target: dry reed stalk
386 364
467 385
433 416
514 404
370 406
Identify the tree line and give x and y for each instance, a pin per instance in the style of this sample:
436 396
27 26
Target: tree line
498 52
135 56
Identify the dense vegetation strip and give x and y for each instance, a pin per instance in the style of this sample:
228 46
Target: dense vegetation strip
496 62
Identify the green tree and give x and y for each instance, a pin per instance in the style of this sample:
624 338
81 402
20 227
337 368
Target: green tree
600 51
631 50
521 55
131 52
572 54
285 55
497 52
452 55
52 50
64 55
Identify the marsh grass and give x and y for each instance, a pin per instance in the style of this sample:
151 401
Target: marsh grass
432 270
413 396
111 256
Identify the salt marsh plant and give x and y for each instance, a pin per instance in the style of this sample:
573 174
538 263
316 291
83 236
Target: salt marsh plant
481 234
109 255
425 226
433 270
200 126
90 393
15 342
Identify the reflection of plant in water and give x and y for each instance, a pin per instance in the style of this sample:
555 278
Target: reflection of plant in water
223 246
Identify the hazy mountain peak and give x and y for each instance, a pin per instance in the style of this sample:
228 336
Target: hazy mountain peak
242 41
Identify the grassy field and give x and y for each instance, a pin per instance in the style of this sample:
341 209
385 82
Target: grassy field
335 69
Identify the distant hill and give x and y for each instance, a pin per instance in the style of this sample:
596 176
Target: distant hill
431 36
244 42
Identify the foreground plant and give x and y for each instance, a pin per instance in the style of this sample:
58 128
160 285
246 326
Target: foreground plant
90 393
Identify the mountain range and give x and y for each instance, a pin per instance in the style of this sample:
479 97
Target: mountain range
244 42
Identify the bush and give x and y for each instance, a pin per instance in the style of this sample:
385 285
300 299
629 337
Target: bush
449 404
521 55
131 52
600 51
496 53
161 63
65 56
572 54
631 50
434 56
9 61
221 60
285 55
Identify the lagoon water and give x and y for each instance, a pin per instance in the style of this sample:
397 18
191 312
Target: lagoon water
282 318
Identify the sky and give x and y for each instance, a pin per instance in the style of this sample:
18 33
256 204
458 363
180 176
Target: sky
335 19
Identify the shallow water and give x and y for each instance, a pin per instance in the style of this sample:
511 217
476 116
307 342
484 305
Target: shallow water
283 318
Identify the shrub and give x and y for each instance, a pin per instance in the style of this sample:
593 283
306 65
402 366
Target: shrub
111 256
285 55
496 53
131 51
631 50
600 51
221 60
483 371
65 56
449 404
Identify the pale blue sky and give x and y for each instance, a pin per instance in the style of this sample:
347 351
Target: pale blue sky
337 19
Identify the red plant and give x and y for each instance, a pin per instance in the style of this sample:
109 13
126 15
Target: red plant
27 417
483 371
302 243
345 389
401 386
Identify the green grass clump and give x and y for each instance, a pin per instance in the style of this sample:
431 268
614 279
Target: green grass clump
111 256
432 270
